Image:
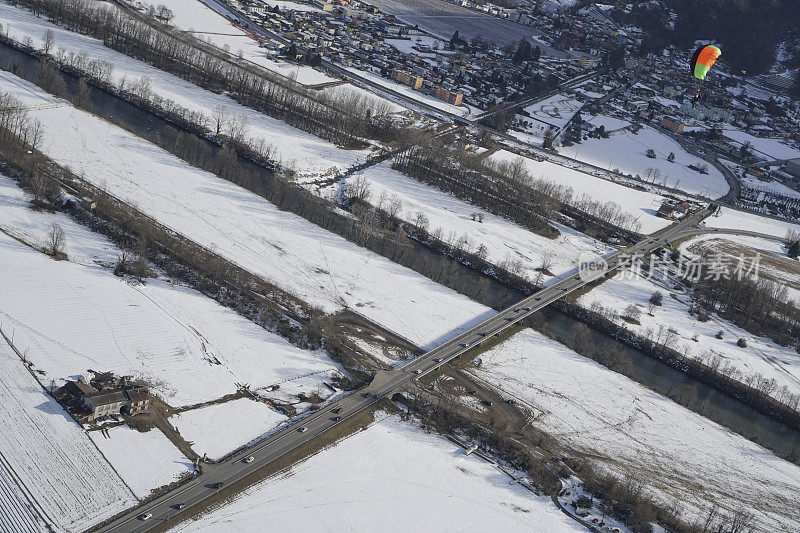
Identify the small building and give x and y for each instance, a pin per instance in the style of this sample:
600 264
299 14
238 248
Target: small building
672 124
666 210
793 168
406 78
454 97
117 402
103 396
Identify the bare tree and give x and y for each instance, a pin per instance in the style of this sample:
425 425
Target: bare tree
238 128
49 40
421 220
221 116
56 240
359 189
632 312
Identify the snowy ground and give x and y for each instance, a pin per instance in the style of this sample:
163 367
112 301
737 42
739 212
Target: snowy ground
70 316
627 152
218 429
740 220
50 473
684 458
641 204
771 186
763 147
205 23
609 123
386 477
315 265
303 152
146 461
761 356
555 111
774 263
505 241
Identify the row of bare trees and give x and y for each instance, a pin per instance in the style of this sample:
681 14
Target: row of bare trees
17 128
506 188
503 191
345 120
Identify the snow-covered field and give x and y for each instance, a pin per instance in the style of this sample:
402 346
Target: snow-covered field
763 147
555 111
315 265
771 186
295 149
504 241
50 472
146 461
683 457
609 123
70 316
208 24
740 220
386 477
761 355
641 204
758 243
218 429
627 152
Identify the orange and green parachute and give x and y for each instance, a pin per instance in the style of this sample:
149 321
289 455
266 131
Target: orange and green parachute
703 59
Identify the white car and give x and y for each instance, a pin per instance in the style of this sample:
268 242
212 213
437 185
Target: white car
145 516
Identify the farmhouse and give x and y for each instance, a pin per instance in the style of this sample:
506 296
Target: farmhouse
100 398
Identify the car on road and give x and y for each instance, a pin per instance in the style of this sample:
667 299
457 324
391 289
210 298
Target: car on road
145 516
418 371
179 506
365 395
248 460
302 429
528 308
337 410
336 418
484 334
218 485
439 359
463 344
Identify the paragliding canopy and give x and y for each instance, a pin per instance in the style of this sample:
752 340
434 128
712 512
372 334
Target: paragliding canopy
703 59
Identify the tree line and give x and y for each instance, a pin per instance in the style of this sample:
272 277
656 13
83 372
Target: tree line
507 189
344 120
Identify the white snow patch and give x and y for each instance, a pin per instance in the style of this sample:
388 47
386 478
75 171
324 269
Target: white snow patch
221 428
391 469
146 461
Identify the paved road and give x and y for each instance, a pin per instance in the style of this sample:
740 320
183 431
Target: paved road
383 385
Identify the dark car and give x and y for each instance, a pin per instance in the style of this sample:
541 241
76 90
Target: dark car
337 410
487 402
336 418
179 506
